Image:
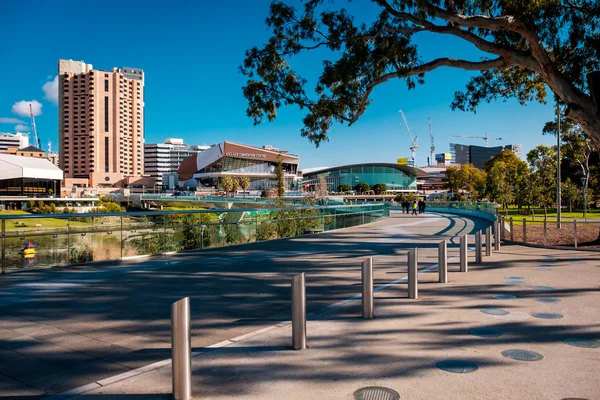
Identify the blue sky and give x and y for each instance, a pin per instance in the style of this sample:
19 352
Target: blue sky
190 52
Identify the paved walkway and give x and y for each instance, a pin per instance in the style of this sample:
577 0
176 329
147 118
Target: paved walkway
64 328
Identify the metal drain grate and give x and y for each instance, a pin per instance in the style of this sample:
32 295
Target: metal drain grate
514 282
457 366
545 315
522 355
514 277
543 288
494 311
548 299
504 297
376 393
582 342
485 332
542 269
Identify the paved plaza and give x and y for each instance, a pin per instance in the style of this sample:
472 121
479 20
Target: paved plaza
104 331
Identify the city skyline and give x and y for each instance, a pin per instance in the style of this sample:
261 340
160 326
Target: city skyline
194 90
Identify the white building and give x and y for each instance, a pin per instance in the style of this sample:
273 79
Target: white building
164 158
18 139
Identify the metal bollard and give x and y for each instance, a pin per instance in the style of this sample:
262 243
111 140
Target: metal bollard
181 349
413 281
575 232
443 261
367 288
545 232
497 235
488 241
502 223
464 261
478 247
299 312
524 230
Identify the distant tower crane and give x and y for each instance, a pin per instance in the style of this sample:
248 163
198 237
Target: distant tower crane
36 141
413 143
486 138
432 148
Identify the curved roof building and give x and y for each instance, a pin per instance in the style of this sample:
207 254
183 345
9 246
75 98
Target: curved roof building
397 178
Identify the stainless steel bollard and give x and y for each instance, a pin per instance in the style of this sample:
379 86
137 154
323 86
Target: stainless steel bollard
488 241
367 288
478 247
413 281
181 349
464 261
497 235
443 261
575 232
299 312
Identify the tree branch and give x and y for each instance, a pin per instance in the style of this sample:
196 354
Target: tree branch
427 67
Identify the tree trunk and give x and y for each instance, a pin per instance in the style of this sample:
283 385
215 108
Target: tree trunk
570 206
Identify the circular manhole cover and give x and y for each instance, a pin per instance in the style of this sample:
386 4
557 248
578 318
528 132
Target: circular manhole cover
514 277
545 315
376 393
522 355
582 342
548 299
543 288
494 311
457 366
504 297
542 269
485 332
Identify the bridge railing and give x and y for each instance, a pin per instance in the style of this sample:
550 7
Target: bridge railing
35 240
476 209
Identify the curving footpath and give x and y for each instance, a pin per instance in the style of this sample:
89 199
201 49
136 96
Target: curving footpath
105 332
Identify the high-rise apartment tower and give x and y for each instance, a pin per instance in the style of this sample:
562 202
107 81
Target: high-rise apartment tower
100 124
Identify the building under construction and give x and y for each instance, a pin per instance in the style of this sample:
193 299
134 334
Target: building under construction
479 155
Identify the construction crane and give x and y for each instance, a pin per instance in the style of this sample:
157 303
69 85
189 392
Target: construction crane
413 142
36 141
486 138
432 148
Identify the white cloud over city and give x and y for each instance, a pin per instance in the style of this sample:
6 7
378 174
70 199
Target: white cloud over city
21 108
50 89
21 128
11 121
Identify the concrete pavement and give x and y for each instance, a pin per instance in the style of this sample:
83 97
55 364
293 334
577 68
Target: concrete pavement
64 328
401 348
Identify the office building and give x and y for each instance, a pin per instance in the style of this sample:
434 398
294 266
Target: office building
101 125
29 151
396 177
18 140
479 155
237 160
165 158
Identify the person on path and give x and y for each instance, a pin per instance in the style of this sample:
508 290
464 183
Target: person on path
424 205
414 207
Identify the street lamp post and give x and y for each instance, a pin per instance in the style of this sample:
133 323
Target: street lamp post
558 199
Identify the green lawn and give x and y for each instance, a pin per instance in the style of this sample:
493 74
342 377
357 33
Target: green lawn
31 223
537 215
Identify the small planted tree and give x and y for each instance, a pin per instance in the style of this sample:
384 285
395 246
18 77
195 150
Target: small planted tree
244 183
227 184
380 188
279 176
362 187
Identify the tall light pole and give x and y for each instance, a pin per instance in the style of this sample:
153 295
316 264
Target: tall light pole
558 199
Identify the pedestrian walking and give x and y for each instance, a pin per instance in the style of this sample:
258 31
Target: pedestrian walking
414 208
424 205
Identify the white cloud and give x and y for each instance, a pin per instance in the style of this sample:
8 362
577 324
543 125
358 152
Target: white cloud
21 128
11 121
21 108
51 90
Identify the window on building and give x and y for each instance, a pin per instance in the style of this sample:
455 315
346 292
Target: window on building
106 85
106 154
106 114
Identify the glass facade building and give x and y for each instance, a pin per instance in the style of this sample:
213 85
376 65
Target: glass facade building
396 177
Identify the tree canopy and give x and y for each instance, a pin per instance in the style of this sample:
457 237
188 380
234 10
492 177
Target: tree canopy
528 46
